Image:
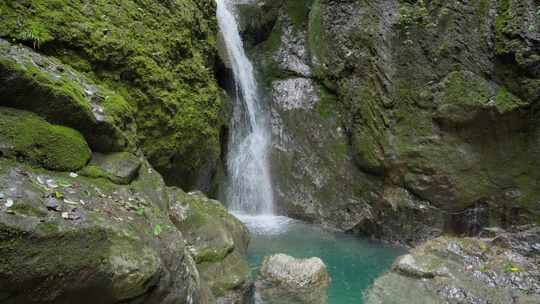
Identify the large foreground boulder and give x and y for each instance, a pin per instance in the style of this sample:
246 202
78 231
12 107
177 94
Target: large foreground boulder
69 238
504 268
284 279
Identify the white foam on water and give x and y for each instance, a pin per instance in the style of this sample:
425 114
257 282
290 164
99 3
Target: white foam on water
266 224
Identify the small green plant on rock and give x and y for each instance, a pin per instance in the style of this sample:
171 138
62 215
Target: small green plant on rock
511 268
157 230
36 34
411 14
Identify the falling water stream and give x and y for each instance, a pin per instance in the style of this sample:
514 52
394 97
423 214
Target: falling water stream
250 187
353 263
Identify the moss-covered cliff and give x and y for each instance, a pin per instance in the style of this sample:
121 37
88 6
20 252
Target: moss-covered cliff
154 58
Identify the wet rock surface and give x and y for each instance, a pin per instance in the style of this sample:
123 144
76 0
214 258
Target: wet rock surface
436 122
284 279
503 268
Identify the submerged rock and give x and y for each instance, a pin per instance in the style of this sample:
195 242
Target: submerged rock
502 269
284 279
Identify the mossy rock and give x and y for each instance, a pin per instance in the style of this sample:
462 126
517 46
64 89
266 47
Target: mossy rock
157 55
217 241
210 229
96 247
233 273
26 136
57 92
462 270
464 96
121 167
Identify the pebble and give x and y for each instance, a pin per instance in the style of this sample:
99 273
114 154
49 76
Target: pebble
52 203
51 183
9 203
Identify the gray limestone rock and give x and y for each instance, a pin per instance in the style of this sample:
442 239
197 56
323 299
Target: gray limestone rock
284 279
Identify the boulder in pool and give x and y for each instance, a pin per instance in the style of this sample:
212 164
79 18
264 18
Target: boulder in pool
284 279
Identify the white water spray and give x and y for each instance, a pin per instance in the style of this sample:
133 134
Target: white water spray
249 184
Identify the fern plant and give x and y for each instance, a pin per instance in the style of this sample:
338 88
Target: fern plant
36 34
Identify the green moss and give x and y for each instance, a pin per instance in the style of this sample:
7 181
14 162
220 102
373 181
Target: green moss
316 36
157 54
507 24
202 211
34 34
61 95
48 227
413 14
27 209
465 93
506 101
463 88
46 250
482 11
231 274
299 11
29 137
212 255
93 171
328 103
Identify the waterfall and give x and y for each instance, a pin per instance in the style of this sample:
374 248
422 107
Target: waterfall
249 187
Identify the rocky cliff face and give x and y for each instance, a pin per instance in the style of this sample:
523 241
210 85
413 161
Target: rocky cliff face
420 116
98 101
